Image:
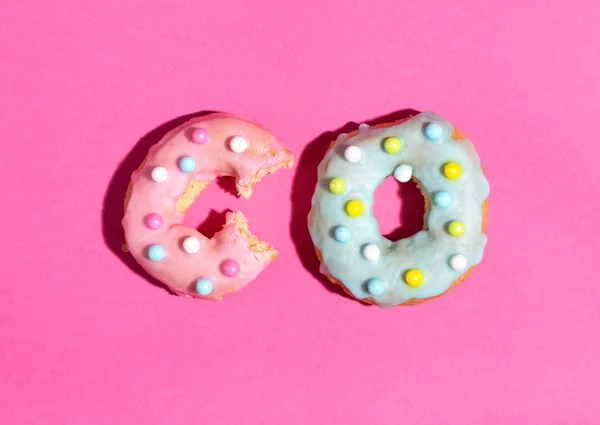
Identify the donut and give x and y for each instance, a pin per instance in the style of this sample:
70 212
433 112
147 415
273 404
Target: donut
443 162
174 173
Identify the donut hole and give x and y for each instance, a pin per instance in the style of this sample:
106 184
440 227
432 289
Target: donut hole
212 205
399 209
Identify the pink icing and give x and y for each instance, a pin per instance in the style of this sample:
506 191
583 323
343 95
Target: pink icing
178 269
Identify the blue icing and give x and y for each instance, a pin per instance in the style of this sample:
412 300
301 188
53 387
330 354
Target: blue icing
427 250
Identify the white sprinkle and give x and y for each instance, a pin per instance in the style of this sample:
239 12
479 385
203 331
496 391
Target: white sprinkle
352 154
363 126
238 144
159 174
342 137
371 252
403 173
458 262
191 245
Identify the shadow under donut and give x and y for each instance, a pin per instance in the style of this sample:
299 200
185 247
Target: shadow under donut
303 187
114 198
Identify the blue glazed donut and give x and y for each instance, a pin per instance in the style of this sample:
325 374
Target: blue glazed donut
354 254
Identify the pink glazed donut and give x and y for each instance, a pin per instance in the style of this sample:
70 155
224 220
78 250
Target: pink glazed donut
172 176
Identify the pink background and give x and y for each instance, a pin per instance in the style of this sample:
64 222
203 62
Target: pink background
88 339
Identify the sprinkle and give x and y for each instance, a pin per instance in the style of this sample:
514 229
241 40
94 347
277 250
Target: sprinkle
375 286
413 277
403 173
341 234
200 136
352 154
156 252
458 262
204 286
191 245
342 137
371 252
230 268
238 144
153 221
456 228
187 164
452 170
337 185
363 126
392 145
159 174
354 208
442 199
433 131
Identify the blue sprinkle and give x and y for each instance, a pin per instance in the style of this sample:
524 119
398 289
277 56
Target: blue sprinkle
204 286
376 286
156 252
433 131
187 164
341 234
442 199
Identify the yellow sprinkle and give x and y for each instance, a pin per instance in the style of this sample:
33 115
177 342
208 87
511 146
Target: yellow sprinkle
413 277
452 170
392 145
354 208
337 185
456 228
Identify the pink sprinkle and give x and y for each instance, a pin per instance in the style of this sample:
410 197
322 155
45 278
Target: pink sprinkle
230 268
154 221
200 136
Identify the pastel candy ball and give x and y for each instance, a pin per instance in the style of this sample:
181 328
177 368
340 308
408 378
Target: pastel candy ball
354 208
403 173
200 136
204 286
156 252
458 262
456 228
352 154
341 234
187 164
452 170
392 145
342 137
371 252
238 144
230 268
153 221
376 286
413 277
191 245
433 131
337 185
442 199
159 174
